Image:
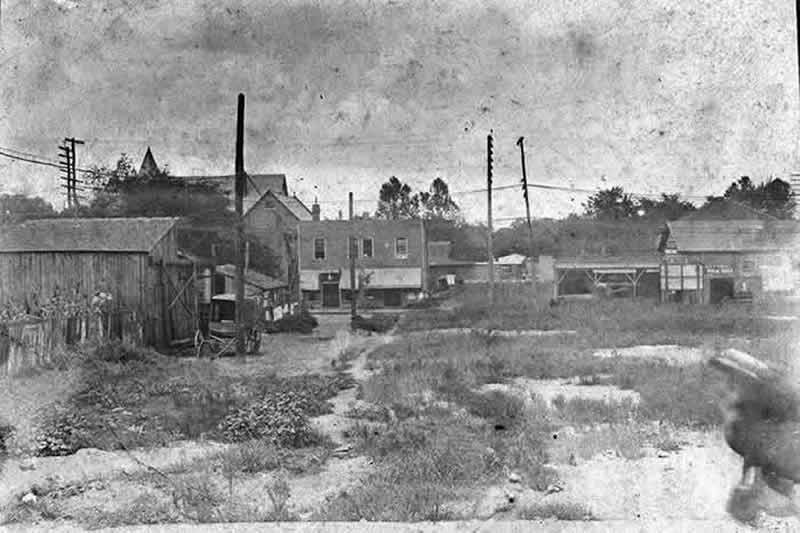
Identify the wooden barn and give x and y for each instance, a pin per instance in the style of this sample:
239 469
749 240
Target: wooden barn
51 265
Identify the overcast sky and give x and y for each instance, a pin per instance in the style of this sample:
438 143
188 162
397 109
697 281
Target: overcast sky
654 96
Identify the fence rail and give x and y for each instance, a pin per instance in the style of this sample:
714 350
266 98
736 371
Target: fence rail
32 342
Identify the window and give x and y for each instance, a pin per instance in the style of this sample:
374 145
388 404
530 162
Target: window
319 249
219 284
366 247
401 247
223 311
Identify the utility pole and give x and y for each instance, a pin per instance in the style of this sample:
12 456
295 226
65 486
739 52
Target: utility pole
521 144
353 252
489 142
67 164
240 188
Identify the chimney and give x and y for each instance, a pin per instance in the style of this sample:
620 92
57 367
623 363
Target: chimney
315 211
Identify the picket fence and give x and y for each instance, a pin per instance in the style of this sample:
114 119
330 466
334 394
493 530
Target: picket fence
33 342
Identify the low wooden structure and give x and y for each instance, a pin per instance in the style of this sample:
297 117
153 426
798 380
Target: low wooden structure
634 276
59 266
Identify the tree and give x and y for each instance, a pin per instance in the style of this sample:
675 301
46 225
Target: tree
773 197
15 208
669 207
610 204
396 201
437 202
207 217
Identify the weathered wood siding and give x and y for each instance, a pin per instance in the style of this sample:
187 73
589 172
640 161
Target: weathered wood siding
138 282
29 276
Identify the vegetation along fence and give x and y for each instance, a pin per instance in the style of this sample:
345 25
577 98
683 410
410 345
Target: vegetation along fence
31 342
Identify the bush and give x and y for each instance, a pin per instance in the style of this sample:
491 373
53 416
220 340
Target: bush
278 417
500 409
65 432
300 322
376 324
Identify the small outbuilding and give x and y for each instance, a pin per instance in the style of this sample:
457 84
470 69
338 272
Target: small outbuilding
62 266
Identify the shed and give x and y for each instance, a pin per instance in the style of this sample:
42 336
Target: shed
632 275
52 265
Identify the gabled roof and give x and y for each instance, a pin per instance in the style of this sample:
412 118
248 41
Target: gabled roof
252 278
511 259
257 185
148 166
730 235
85 235
294 205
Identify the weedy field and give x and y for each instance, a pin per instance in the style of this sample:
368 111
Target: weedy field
613 415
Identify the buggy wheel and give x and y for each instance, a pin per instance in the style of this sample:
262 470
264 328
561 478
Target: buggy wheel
199 341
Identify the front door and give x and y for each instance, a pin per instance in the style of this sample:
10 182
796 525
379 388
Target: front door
720 289
330 294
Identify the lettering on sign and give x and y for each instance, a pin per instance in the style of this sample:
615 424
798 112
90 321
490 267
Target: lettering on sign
719 269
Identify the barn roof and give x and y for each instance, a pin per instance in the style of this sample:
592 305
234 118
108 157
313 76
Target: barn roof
86 235
730 235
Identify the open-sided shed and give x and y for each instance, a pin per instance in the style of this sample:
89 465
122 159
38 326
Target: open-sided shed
634 276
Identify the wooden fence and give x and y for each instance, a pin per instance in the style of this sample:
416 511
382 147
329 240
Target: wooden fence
32 342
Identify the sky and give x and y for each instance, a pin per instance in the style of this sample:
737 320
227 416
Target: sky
340 95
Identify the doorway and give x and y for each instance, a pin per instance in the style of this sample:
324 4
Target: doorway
721 289
330 295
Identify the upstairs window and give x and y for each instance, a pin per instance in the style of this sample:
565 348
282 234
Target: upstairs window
319 249
366 247
401 247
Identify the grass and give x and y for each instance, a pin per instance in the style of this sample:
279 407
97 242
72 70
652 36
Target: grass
557 510
609 322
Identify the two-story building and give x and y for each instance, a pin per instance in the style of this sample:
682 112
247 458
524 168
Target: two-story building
270 213
391 261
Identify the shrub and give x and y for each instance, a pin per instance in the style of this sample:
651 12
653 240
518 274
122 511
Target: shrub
500 409
278 417
65 431
375 324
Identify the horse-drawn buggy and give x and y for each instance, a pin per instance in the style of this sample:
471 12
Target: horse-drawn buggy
220 336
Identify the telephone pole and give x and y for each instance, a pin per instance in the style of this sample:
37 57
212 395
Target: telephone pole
521 144
353 252
240 192
489 142
67 163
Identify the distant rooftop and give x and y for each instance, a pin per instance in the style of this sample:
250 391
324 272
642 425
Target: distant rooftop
85 235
